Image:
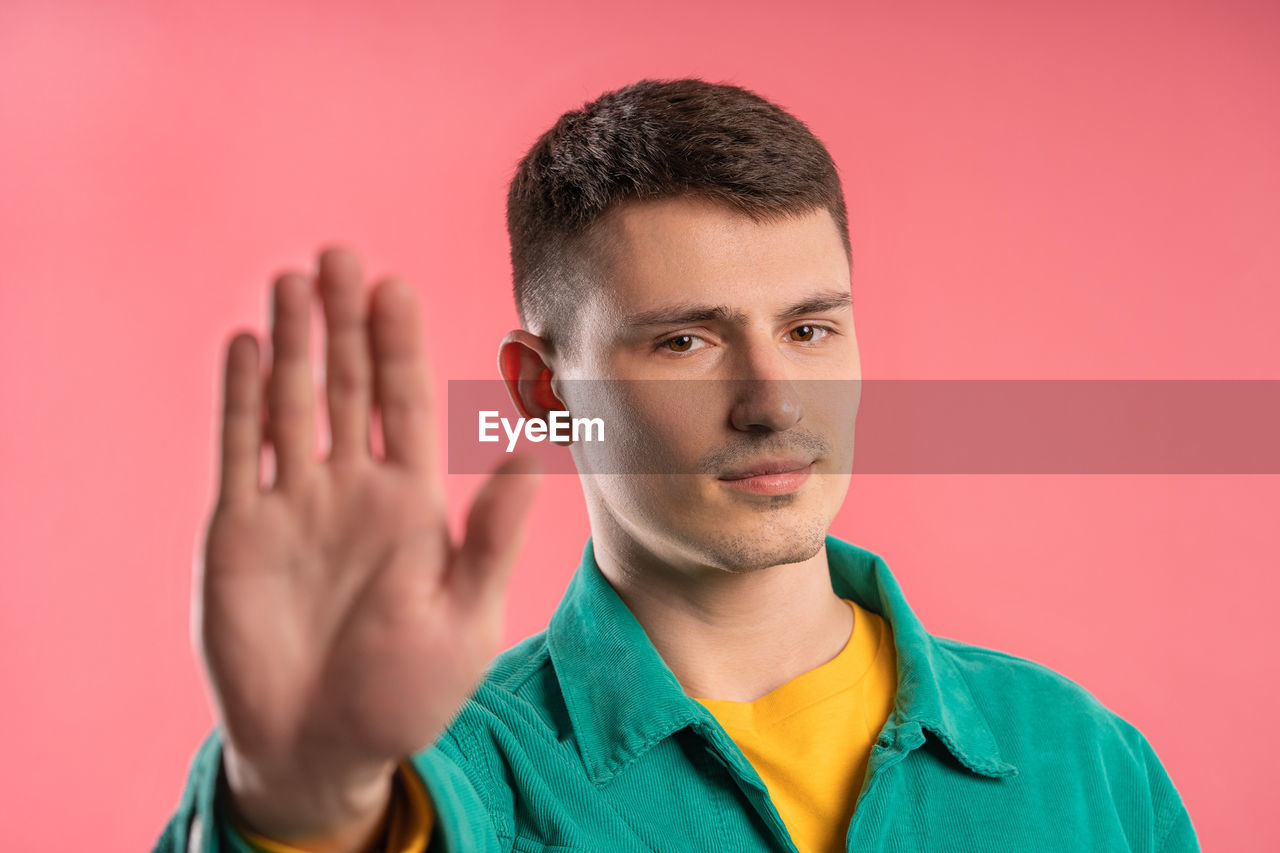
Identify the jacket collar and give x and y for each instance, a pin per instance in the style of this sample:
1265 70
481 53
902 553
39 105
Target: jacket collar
622 697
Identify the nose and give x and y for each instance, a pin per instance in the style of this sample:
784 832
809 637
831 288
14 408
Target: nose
765 400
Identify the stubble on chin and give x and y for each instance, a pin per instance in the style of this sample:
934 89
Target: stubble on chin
765 543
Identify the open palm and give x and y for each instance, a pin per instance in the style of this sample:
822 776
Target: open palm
341 626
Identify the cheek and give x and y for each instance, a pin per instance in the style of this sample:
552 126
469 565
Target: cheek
652 426
830 408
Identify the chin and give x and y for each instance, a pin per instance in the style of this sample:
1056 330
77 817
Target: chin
762 544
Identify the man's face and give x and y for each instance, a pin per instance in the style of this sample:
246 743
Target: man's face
736 347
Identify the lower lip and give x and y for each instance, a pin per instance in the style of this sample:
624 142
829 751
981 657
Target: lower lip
772 484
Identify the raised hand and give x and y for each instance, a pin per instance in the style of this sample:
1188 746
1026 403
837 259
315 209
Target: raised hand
341 626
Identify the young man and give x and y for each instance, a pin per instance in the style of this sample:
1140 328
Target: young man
722 674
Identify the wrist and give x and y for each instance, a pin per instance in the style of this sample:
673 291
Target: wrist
319 815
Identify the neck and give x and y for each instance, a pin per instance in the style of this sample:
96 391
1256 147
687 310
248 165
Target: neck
729 635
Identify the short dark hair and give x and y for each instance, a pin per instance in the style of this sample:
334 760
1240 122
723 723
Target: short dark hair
653 139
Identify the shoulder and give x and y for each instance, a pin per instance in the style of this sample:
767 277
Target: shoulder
1053 728
517 705
1024 686
510 671
1037 713
512 728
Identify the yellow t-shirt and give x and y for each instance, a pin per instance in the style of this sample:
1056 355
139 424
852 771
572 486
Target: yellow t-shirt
809 740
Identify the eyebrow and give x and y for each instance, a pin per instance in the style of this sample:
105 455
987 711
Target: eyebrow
681 315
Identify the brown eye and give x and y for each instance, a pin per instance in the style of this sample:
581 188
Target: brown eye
805 333
680 343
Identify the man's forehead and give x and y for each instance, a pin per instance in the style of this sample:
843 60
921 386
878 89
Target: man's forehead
694 251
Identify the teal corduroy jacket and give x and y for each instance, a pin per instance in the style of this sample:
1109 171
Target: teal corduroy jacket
581 740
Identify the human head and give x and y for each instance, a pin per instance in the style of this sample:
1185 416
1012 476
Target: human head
650 140
686 198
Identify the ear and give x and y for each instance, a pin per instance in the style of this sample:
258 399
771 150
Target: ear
523 361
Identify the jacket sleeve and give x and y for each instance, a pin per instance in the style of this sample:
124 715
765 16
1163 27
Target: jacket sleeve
1174 832
199 826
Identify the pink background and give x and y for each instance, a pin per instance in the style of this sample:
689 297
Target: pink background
1069 190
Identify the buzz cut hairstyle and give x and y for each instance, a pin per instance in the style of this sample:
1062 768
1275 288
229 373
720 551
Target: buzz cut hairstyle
651 140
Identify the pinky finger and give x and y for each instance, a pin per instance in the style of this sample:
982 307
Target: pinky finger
241 421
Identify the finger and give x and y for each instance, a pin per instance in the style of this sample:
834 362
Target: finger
347 363
494 529
402 381
241 445
290 393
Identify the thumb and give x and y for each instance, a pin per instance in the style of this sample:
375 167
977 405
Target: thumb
495 528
